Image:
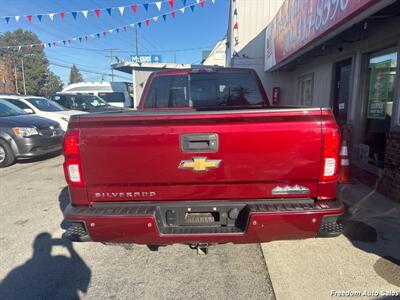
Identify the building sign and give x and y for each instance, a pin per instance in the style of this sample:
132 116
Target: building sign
378 89
298 23
146 58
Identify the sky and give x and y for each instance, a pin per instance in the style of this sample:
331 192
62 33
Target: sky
181 39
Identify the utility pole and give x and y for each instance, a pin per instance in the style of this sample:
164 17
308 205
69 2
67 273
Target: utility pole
136 42
111 60
23 75
16 79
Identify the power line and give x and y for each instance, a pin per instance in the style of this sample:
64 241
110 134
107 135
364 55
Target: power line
84 70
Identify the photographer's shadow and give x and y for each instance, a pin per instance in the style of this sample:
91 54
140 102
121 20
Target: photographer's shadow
45 276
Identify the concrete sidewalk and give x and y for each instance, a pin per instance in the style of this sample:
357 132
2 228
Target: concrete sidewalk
365 258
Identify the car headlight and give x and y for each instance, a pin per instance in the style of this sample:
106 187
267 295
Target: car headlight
65 119
25 131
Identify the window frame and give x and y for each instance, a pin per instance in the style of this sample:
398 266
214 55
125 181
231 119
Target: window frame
300 81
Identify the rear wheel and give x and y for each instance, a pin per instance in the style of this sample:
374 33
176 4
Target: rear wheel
7 156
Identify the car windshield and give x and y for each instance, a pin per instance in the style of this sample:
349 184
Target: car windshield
7 109
92 100
44 104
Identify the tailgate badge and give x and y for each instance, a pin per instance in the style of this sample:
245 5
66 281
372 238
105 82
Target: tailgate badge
290 190
199 164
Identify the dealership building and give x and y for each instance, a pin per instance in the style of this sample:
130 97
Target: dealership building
341 54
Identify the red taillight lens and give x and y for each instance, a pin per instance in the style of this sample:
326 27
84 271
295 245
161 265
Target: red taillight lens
330 153
72 164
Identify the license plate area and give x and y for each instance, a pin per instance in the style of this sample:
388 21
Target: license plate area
197 215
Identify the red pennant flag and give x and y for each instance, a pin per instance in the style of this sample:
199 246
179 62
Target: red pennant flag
62 15
202 3
104 33
86 38
134 7
171 2
125 28
69 41
97 12
236 26
173 14
147 21
29 18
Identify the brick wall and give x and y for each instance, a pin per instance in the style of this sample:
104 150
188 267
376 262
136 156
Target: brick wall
390 184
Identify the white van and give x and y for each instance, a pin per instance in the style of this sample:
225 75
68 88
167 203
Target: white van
115 93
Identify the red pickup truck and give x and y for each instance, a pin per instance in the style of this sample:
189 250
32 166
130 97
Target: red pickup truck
204 160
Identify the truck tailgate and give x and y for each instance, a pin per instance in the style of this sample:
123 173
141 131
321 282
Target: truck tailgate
136 157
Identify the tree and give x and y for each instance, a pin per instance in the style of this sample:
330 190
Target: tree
75 76
34 61
53 84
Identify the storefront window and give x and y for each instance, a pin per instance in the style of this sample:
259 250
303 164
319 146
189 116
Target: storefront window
305 89
382 73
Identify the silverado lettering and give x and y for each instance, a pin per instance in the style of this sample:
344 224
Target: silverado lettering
203 160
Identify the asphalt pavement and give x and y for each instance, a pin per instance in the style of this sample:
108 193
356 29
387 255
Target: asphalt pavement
36 263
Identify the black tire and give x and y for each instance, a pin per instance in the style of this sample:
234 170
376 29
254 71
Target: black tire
9 158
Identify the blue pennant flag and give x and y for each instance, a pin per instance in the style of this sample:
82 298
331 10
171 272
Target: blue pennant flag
64 42
74 14
235 12
140 24
40 17
146 6
117 30
49 44
184 2
80 39
7 19
109 10
164 17
98 35
192 7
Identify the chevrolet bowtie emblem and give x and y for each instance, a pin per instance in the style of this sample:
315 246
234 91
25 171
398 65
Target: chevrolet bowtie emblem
199 164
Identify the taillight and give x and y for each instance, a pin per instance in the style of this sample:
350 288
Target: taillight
72 163
330 153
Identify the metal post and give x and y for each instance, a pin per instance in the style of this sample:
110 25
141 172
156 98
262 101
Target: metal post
23 75
111 60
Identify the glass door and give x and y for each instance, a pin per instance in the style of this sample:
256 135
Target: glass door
381 78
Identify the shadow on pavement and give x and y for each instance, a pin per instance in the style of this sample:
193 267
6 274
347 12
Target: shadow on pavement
45 276
372 224
39 158
63 200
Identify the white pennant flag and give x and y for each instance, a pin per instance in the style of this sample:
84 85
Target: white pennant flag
132 25
121 10
19 48
198 1
51 16
84 13
17 18
92 35
74 39
213 1
155 19
182 9
158 4
110 31
44 45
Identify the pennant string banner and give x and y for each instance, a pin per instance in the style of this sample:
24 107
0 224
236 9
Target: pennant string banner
96 12
87 37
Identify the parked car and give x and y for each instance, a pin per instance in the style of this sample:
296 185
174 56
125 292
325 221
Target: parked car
24 135
204 160
43 108
84 102
115 93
